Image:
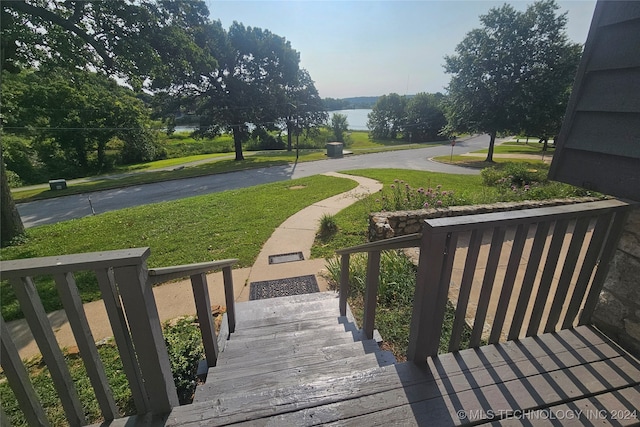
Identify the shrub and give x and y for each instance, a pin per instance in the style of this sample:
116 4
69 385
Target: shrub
516 173
328 225
184 344
401 196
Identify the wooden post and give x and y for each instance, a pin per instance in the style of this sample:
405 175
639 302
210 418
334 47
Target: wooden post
344 283
146 331
118 321
229 298
371 294
425 301
205 318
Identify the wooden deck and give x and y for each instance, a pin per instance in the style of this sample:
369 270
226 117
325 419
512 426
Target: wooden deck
308 367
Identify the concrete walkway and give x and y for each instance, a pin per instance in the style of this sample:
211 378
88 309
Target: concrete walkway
296 234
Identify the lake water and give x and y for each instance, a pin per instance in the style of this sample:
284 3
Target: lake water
357 119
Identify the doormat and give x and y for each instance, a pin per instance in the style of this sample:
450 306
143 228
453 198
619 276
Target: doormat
283 287
279 259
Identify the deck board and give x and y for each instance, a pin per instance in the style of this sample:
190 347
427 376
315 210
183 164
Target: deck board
313 371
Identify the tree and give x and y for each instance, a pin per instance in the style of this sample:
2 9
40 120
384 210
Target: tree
339 125
387 117
147 43
248 86
499 69
303 107
425 117
73 116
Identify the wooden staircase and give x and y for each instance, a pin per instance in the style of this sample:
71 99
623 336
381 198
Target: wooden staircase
288 342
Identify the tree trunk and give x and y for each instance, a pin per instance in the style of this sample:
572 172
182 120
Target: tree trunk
237 141
10 218
289 142
492 142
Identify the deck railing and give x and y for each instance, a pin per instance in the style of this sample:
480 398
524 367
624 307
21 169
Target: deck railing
507 275
125 285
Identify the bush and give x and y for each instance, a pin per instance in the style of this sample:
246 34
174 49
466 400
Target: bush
517 173
184 344
328 225
400 196
397 277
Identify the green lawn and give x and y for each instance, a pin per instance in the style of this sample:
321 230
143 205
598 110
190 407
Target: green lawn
230 224
515 147
353 221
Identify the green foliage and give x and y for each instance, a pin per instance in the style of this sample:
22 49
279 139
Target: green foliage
152 43
339 125
518 174
514 71
425 118
328 225
77 123
387 117
21 160
400 196
184 344
419 118
395 298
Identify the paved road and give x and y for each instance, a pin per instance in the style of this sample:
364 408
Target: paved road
77 206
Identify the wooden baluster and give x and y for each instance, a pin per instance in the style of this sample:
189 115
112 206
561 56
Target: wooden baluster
568 268
495 250
19 380
465 289
539 240
344 283
229 298
205 318
544 287
40 327
600 231
371 294
610 246
513 265
72 304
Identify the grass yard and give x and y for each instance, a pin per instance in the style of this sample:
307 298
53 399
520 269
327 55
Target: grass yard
230 224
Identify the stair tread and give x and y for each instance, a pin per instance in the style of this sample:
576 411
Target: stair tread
292 326
297 375
260 365
299 351
296 400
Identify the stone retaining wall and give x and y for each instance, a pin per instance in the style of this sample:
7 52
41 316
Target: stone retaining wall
618 311
384 225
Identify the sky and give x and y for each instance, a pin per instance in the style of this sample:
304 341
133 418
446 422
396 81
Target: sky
372 48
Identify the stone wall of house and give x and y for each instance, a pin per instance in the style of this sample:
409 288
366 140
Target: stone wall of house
384 225
618 311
